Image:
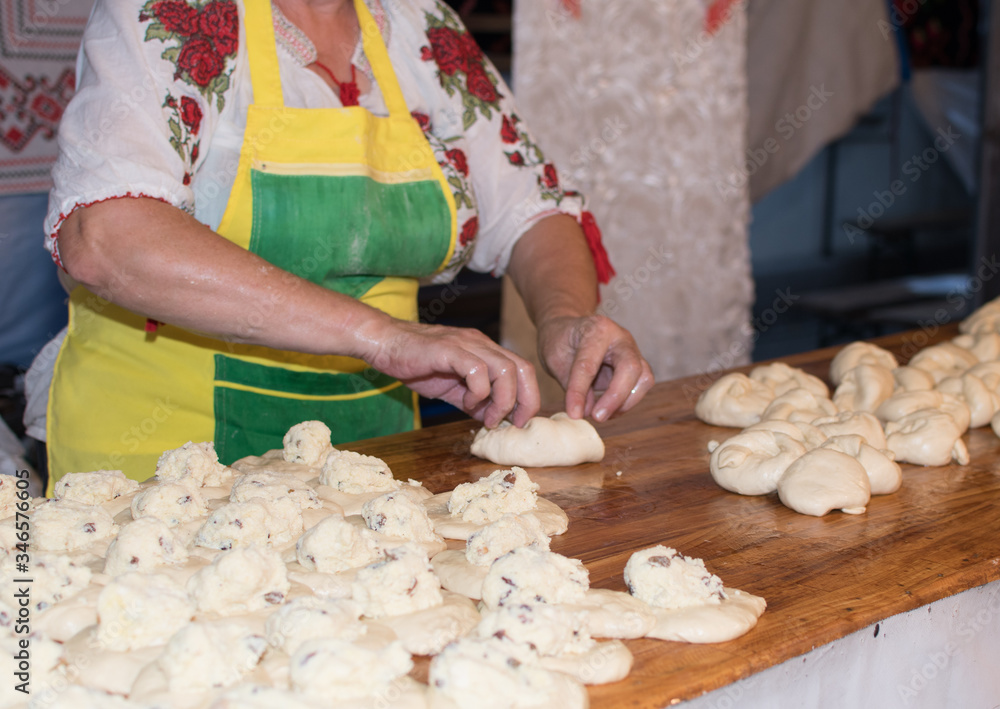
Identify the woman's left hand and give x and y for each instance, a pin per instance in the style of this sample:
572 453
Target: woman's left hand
597 362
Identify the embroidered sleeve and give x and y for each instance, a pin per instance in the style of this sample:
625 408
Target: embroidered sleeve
515 185
153 80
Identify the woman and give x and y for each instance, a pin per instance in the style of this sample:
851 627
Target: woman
248 194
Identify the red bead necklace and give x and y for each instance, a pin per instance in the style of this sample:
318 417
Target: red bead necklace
349 92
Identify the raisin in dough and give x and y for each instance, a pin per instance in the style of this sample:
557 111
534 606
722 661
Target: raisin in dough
542 442
527 575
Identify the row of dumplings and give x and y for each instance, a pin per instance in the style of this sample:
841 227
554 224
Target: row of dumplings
822 452
309 575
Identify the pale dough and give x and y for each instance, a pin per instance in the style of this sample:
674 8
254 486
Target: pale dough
780 378
94 488
859 353
926 437
823 480
864 388
604 663
428 631
208 655
944 360
983 402
307 443
552 518
912 379
136 610
527 575
734 400
240 580
194 463
851 423
662 577
402 582
884 473
751 462
312 618
614 614
799 405
542 442
732 618
335 670
337 545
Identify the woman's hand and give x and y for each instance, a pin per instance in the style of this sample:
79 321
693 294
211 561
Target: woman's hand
598 364
459 365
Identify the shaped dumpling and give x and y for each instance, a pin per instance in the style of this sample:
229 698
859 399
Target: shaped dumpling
985 346
780 378
824 480
912 379
799 405
902 404
751 462
853 423
884 473
926 437
859 353
983 402
864 388
542 442
943 360
734 400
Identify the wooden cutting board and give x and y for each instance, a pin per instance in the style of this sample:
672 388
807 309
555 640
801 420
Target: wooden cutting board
823 578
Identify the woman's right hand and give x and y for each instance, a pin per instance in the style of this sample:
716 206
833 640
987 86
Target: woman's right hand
461 366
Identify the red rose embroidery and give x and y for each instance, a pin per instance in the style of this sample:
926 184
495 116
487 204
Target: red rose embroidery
423 120
200 60
177 17
550 177
515 158
426 54
508 133
191 114
187 178
469 231
470 48
194 154
219 21
447 50
457 158
479 84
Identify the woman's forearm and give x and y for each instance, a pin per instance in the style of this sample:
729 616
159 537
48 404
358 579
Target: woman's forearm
553 270
158 261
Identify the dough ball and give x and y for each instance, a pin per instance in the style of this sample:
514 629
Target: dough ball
983 402
798 405
546 629
490 498
402 582
144 545
490 673
943 360
926 437
859 353
734 400
985 319
196 463
242 524
805 433
335 671
204 656
823 480
399 516
54 578
864 388
542 442
912 379
751 462
985 346
355 473
665 578
853 423
138 610
527 575
336 545
272 486
506 534
312 618
884 473
989 372
94 488
903 404
307 443
63 525
241 580
780 378
174 503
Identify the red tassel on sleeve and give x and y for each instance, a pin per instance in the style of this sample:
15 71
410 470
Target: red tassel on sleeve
717 15
605 271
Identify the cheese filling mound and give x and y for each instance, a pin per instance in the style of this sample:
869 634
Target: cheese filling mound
665 578
490 498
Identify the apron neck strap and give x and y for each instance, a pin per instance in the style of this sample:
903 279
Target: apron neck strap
263 55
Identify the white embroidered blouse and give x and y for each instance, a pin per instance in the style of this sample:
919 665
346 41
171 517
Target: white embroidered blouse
164 86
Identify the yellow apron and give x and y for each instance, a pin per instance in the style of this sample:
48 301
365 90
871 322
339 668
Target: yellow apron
340 197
